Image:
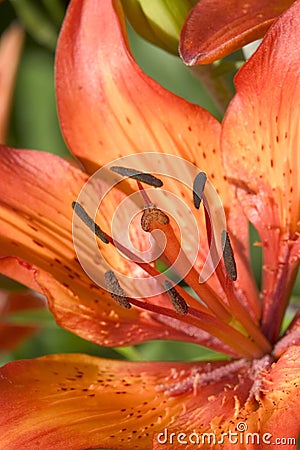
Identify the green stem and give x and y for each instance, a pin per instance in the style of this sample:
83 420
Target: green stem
55 10
218 87
36 22
130 353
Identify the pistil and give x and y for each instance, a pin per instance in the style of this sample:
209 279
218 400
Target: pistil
155 219
198 316
152 271
230 323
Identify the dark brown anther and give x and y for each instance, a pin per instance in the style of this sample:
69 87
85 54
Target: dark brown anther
228 257
178 302
115 289
137 175
198 188
152 215
88 221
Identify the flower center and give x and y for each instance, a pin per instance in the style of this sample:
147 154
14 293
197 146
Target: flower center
228 321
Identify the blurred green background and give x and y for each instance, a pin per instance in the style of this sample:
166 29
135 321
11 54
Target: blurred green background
34 125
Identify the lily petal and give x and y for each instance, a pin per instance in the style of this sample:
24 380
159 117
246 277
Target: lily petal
280 397
290 338
36 211
78 401
270 409
37 250
260 144
12 335
109 108
261 126
217 28
90 402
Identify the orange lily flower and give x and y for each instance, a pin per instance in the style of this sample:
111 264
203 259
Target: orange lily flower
214 29
109 109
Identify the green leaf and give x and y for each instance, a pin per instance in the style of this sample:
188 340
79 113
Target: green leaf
130 353
158 21
35 119
37 22
31 317
176 351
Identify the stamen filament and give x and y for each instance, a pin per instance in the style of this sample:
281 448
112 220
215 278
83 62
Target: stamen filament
245 319
199 316
226 334
275 301
152 271
243 341
145 196
107 239
213 248
212 244
226 282
154 219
